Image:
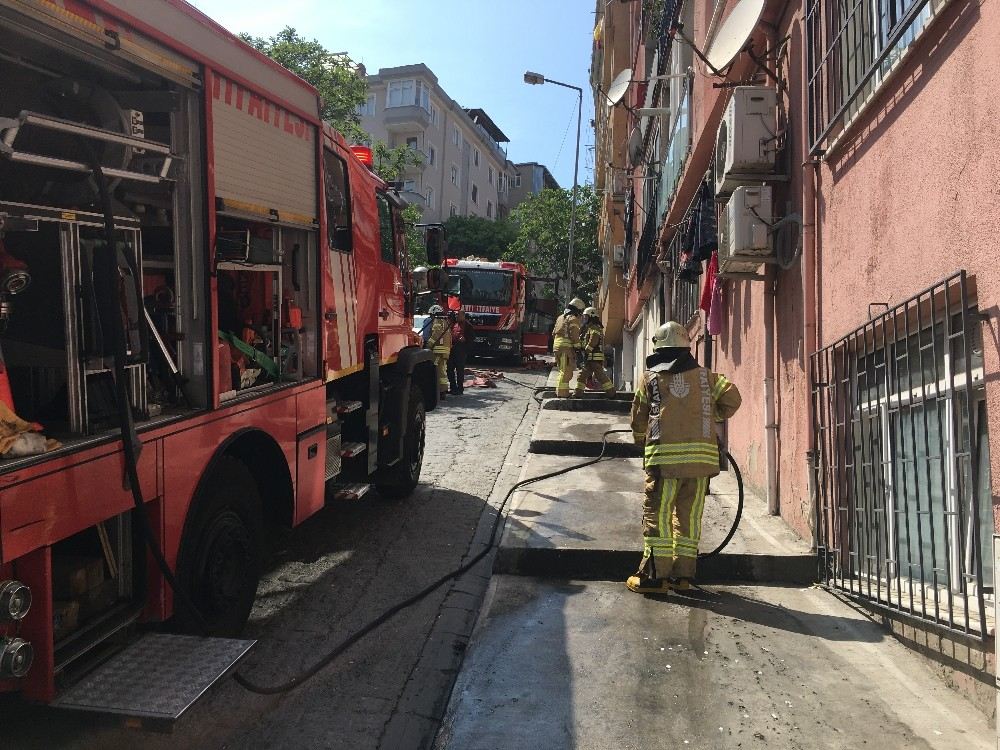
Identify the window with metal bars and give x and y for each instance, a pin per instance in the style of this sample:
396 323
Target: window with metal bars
852 45
902 463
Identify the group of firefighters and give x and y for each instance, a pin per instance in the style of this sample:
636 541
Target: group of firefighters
675 409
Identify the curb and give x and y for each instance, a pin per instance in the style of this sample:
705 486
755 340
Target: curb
617 565
609 405
583 448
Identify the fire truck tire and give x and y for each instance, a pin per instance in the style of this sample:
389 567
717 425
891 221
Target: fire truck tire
400 479
220 562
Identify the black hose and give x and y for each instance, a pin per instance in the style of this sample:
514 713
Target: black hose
357 635
739 511
131 445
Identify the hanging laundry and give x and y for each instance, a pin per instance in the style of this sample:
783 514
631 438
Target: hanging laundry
707 221
709 289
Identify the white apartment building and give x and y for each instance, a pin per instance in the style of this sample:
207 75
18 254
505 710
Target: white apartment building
464 169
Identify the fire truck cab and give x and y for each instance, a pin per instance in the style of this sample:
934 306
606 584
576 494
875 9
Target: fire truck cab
201 287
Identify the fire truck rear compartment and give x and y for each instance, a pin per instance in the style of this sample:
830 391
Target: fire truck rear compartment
64 106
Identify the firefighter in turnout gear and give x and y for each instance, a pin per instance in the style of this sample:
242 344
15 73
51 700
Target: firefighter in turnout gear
566 344
592 344
674 412
439 342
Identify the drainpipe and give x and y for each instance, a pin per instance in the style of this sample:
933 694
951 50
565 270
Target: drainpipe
809 166
770 424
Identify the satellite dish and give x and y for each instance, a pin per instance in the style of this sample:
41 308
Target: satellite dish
734 33
619 86
634 146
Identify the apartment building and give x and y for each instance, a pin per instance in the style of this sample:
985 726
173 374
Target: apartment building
530 178
463 170
863 335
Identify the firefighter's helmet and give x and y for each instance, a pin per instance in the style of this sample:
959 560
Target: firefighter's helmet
671 335
436 310
577 304
591 312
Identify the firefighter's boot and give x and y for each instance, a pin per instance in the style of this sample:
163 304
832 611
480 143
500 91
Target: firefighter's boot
642 584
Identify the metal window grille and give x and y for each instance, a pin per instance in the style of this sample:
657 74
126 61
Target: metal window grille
902 465
684 294
850 46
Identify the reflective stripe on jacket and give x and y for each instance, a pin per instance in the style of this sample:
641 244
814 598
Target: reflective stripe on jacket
674 416
566 332
439 341
593 343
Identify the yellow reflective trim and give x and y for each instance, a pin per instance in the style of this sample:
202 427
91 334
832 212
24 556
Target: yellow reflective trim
667 508
677 447
720 385
666 461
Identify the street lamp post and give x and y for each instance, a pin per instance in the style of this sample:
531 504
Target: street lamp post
536 79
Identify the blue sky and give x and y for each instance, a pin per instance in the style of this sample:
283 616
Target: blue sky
479 51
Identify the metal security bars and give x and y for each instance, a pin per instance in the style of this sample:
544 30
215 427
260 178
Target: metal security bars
902 464
851 45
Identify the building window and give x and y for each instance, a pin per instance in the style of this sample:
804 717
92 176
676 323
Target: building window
431 155
456 136
430 197
517 180
453 211
412 142
490 169
454 175
475 194
434 115
903 446
489 209
368 108
408 93
400 93
475 157
410 186
849 60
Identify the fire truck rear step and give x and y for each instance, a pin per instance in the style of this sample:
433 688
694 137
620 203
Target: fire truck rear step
350 450
354 491
158 677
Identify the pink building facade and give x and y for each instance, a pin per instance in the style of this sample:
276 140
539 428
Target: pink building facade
869 358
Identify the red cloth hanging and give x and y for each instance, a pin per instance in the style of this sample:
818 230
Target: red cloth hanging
710 273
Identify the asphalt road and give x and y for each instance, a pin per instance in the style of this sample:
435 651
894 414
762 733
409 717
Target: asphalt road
334 573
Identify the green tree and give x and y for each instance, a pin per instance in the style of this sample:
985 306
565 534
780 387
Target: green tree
415 246
483 238
340 87
391 163
543 237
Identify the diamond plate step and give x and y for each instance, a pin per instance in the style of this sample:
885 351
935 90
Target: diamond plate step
159 676
354 491
346 407
350 450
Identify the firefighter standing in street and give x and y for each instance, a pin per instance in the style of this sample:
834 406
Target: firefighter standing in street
566 344
592 344
674 413
439 342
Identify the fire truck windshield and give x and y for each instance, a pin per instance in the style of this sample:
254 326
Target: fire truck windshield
481 286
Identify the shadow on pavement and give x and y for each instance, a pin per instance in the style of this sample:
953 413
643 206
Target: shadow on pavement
828 627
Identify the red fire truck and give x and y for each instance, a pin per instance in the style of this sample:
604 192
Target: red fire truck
206 331
511 311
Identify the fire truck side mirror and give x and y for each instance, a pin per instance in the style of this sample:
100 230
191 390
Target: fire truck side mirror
436 245
437 279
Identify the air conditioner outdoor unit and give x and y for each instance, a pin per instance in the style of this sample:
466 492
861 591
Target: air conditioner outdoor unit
744 241
745 145
618 255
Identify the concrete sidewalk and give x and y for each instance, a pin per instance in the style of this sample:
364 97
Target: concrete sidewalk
587 524
560 665
564 656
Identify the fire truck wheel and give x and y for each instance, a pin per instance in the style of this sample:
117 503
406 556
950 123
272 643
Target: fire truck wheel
220 562
401 479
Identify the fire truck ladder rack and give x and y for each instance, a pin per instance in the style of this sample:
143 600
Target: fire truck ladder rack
157 678
11 127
